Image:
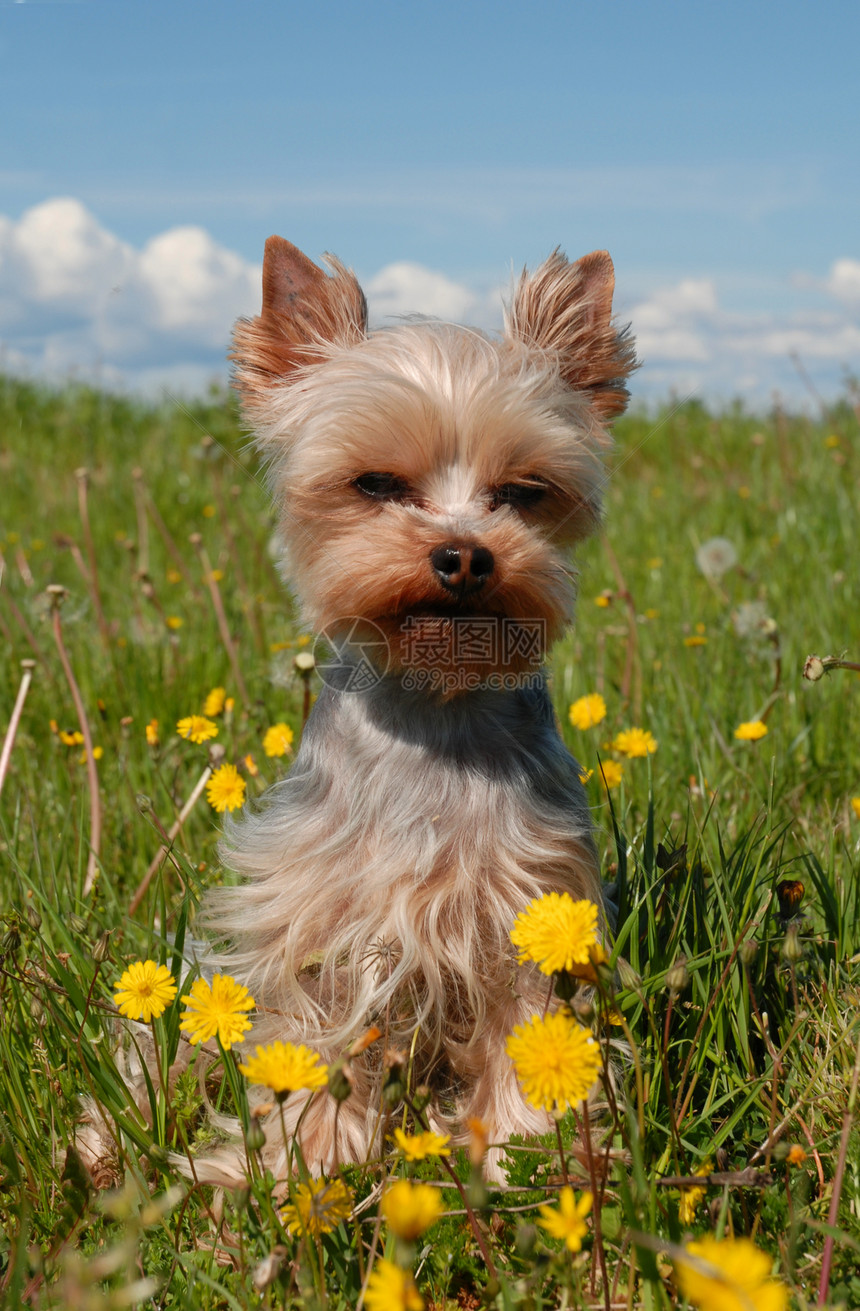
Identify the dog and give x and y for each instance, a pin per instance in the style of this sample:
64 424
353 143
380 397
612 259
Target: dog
430 482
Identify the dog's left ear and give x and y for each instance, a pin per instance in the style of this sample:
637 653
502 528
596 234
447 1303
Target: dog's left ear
567 309
304 312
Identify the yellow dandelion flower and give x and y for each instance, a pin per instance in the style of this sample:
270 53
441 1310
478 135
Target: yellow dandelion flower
555 932
286 1068
217 1008
225 789
214 702
696 640
208 511
409 1209
71 738
611 774
229 704
174 576
98 752
831 442
151 731
739 1278
604 600
585 775
568 1222
144 991
635 742
744 493
251 765
691 1198
855 806
216 575
751 731
588 969
173 622
415 1147
656 562
557 1060
651 613
319 1207
278 740
391 1289
796 1155
197 728
587 711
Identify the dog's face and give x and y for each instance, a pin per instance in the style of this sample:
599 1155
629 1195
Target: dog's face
431 480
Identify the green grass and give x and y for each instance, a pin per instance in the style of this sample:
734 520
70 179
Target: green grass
740 1010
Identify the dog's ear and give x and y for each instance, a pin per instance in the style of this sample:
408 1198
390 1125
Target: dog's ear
304 311
567 309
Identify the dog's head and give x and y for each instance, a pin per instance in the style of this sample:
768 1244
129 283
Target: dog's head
430 477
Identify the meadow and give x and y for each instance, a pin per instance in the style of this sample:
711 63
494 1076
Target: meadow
139 577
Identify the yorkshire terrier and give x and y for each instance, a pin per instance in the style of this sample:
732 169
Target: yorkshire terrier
430 482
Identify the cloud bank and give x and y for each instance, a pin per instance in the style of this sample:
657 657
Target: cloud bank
75 300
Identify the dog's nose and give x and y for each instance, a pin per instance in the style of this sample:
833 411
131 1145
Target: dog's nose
462 568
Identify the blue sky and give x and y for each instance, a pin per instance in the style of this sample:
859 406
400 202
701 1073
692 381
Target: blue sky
712 149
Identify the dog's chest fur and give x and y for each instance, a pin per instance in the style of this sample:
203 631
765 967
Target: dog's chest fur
429 826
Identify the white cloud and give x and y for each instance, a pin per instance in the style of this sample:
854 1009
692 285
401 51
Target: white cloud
844 280
402 288
76 299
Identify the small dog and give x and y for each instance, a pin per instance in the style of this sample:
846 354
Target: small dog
431 481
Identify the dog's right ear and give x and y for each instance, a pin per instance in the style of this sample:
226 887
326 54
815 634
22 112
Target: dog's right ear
304 311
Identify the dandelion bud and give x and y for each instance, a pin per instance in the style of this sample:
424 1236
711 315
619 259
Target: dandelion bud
584 1012
34 919
748 951
627 976
255 1137
790 893
678 977
780 1151
478 1141
394 1087
814 668
101 951
421 1097
340 1080
158 1155
37 1011
11 942
792 947
77 924
564 985
525 1240
143 803
269 1268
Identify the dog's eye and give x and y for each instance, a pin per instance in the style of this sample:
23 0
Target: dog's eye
382 486
520 495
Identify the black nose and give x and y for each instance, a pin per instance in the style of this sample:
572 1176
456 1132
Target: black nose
462 568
